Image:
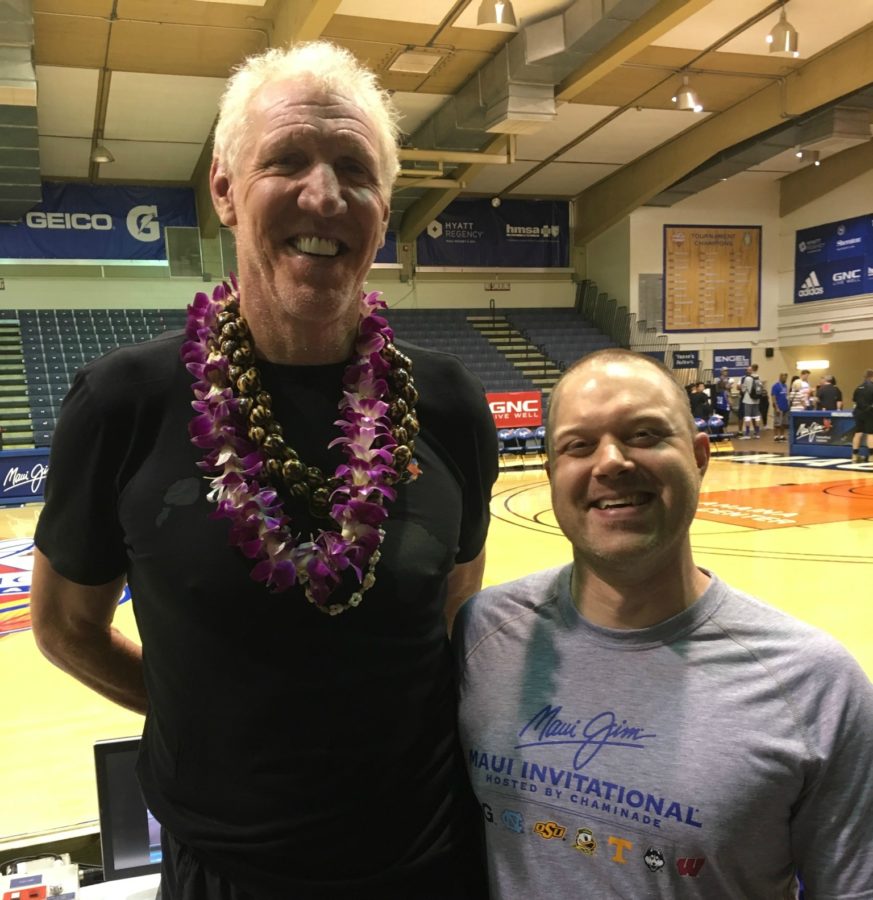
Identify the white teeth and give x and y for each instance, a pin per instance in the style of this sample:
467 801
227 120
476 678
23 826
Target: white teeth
633 500
316 246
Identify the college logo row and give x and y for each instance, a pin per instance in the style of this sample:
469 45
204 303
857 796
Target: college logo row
619 850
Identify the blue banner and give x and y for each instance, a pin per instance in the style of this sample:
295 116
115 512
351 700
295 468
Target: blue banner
81 221
22 475
735 361
834 260
515 234
686 359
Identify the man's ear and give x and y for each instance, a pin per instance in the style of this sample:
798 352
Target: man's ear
702 449
221 188
386 215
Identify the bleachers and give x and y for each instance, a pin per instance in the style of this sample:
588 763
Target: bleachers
54 345
562 332
50 345
449 331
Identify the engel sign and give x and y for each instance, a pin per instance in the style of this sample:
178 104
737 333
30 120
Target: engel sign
516 409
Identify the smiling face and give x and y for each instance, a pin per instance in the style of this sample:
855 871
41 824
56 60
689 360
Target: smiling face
625 466
307 207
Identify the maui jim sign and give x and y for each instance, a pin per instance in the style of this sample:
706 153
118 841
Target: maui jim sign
516 409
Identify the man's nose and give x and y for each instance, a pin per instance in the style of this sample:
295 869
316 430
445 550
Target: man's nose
610 459
321 192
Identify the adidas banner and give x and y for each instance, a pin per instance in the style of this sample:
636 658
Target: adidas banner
834 260
515 234
81 221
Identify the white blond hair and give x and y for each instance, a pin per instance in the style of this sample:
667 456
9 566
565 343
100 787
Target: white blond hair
323 65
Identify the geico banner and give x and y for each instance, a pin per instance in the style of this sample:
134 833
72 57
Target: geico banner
80 221
515 409
518 233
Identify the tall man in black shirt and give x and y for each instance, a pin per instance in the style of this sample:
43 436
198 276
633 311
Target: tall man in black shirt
295 674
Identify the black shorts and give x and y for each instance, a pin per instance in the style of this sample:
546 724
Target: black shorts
864 421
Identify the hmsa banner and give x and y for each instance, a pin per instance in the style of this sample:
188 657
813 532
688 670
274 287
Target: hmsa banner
516 409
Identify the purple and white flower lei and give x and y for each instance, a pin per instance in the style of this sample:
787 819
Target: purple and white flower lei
259 526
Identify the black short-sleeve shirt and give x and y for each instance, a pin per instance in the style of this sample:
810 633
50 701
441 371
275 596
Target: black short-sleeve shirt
285 746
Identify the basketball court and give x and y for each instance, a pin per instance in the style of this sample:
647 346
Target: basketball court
791 531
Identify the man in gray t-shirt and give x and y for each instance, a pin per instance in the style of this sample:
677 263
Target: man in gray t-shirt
635 728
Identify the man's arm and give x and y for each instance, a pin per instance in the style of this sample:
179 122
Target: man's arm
464 581
72 624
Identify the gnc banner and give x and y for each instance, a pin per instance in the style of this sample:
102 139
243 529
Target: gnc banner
516 409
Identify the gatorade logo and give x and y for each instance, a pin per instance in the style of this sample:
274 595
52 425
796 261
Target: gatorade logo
143 224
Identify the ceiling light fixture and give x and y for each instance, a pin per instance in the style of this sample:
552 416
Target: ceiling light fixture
686 97
101 154
497 14
809 156
784 37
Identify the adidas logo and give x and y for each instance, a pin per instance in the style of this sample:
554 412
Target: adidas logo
811 286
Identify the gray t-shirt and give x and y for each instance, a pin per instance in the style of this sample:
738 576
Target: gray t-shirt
710 756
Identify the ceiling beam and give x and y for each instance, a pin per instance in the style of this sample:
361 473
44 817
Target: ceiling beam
418 216
301 20
653 24
813 182
834 73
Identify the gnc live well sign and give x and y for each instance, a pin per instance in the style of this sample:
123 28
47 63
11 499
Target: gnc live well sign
516 409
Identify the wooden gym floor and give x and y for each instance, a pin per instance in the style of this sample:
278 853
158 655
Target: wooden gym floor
795 533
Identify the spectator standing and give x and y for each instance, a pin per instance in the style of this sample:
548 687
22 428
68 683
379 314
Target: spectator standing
722 397
798 396
751 393
863 400
829 395
781 406
701 408
764 403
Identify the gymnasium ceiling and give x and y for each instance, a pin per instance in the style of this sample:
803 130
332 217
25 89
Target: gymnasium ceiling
575 104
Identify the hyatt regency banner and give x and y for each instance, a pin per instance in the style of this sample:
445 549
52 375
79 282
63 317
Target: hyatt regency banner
834 260
516 234
80 221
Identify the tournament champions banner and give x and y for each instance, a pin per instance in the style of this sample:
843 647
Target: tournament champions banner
516 234
835 260
80 221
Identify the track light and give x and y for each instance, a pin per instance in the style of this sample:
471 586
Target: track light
497 13
101 154
784 37
686 97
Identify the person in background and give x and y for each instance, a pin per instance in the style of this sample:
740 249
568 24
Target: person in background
298 505
721 399
781 406
862 398
798 395
828 395
751 394
635 727
701 408
763 403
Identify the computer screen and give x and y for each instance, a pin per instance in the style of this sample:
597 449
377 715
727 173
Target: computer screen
130 838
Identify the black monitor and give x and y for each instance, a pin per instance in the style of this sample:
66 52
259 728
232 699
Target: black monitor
130 838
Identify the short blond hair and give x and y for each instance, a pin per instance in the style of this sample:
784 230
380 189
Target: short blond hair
325 66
